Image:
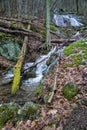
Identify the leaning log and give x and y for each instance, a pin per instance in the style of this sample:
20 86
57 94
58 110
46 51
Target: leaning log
18 66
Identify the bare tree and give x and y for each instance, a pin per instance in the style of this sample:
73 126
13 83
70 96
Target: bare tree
48 42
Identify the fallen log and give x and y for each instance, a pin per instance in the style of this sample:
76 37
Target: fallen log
34 26
23 32
18 66
64 41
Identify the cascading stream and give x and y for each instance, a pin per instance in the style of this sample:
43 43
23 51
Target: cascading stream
67 20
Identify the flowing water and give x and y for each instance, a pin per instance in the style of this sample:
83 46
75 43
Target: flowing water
28 86
67 20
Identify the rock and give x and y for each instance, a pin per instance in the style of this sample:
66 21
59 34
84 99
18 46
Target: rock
8 111
70 90
29 74
29 110
9 49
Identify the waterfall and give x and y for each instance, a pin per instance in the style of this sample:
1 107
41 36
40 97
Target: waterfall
67 20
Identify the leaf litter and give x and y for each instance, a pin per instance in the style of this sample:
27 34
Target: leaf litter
60 112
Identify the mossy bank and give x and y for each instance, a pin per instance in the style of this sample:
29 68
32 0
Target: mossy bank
76 53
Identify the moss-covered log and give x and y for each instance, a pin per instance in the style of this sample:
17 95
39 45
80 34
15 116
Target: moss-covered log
18 66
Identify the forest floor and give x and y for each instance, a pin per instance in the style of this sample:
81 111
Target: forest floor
60 114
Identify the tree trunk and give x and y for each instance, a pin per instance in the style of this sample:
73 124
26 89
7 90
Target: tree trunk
48 42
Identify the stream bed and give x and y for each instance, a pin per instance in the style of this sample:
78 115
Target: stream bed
28 86
40 67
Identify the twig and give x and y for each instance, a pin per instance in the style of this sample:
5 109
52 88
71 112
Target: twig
55 83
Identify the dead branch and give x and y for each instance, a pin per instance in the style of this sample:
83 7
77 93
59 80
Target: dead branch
15 31
37 25
55 83
62 40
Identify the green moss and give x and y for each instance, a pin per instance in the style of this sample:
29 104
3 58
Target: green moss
77 52
49 61
78 59
69 65
14 24
39 88
8 111
5 35
43 32
75 59
29 110
71 49
53 27
85 55
70 90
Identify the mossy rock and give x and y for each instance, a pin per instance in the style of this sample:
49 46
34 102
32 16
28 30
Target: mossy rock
39 88
30 74
9 49
49 61
70 90
8 111
29 110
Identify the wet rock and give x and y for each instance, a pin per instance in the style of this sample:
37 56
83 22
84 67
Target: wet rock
70 90
29 110
8 111
29 74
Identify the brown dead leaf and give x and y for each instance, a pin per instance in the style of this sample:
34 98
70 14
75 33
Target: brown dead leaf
53 112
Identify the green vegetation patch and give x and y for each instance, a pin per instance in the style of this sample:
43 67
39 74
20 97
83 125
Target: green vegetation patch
53 27
8 111
70 90
76 53
39 88
14 112
29 110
